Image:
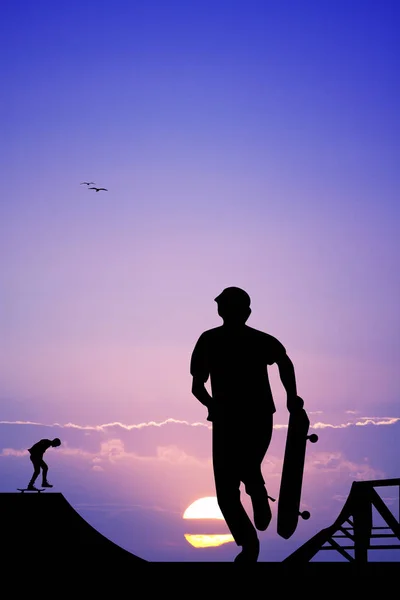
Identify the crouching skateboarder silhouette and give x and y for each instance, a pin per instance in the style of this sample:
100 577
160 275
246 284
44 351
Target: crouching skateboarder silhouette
235 357
36 455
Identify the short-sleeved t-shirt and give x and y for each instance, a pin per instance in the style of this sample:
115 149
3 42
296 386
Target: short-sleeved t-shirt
236 362
40 448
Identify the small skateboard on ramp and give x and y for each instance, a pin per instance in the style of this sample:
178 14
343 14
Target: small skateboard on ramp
22 490
292 472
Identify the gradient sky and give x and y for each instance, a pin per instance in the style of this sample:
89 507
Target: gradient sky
249 143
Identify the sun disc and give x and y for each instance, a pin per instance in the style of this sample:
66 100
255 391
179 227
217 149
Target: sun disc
203 508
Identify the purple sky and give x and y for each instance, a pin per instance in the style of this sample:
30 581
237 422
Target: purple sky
242 143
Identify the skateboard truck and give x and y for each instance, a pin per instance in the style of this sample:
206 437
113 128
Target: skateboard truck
304 515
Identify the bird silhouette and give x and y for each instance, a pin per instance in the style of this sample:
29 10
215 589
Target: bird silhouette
87 183
98 189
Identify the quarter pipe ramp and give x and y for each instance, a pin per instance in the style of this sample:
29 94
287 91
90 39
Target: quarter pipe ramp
44 530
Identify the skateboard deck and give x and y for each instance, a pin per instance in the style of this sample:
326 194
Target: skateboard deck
22 490
292 473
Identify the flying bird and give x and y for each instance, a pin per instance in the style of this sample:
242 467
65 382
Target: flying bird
87 183
98 189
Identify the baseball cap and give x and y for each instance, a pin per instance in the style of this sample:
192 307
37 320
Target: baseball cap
233 295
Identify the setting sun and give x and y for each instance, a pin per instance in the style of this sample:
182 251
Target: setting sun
208 541
206 508
203 508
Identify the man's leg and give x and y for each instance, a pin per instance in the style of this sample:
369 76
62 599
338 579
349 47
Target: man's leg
45 469
36 472
254 450
227 485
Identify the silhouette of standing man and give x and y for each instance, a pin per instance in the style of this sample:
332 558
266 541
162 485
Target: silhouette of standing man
37 451
241 407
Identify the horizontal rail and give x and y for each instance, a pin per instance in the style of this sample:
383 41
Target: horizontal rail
377 547
374 527
374 535
379 482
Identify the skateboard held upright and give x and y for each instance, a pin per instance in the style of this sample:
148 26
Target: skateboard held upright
292 472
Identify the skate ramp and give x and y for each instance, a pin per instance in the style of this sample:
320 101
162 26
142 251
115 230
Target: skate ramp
45 542
45 531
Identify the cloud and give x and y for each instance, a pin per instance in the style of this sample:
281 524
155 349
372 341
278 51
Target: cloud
106 427
330 462
114 450
181 442
13 452
175 455
171 443
362 422
69 451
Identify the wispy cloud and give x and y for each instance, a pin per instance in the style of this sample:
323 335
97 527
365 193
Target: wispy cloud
113 425
360 422
13 452
113 450
175 455
339 463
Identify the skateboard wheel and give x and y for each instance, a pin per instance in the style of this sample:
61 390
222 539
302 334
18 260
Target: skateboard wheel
313 438
305 515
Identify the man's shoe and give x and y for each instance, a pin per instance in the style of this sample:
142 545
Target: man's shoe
46 484
249 553
261 509
32 488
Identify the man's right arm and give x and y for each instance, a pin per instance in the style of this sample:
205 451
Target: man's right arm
200 391
200 372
